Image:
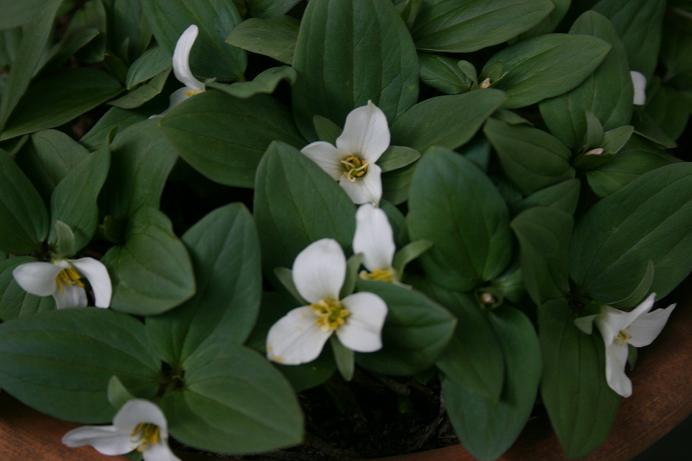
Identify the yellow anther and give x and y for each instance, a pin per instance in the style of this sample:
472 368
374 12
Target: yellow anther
193 91
379 275
354 167
331 314
68 277
623 337
146 435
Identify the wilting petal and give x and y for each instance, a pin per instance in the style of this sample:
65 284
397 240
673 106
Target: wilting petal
616 359
37 278
325 156
181 58
612 320
97 275
107 440
648 326
70 296
367 189
319 270
138 411
296 338
639 84
159 452
363 329
374 238
365 132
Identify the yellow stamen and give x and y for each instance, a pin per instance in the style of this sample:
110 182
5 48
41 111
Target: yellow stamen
623 337
193 91
146 435
68 277
331 314
354 167
379 275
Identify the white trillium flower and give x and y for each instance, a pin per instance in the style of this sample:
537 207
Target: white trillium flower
139 425
619 329
374 239
639 84
181 67
352 161
62 279
319 272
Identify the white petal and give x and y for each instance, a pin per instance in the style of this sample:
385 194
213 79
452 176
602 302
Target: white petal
611 321
363 329
326 157
367 189
616 359
107 440
639 84
138 411
181 59
97 275
296 338
319 270
159 452
71 296
365 132
374 238
647 327
37 278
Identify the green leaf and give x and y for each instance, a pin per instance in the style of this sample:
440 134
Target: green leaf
550 22
49 358
151 272
639 24
486 428
211 56
274 37
150 64
545 66
445 74
296 203
344 358
64 242
396 184
225 255
409 253
463 27
607 93
285 277
544 235
14 301
416 331
647 220
445 121
74 200
270 8
457 208
615 139
58 99
352 273
23 216
117 393
143 93
224 137
327 130
233 402
669 109
19 13
266 83
580 404
531 158
563 196
350 52
113 121
397 157
473 358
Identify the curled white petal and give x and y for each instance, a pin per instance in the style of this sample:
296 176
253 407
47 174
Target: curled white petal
159 452
319 270
97 275
107 440
138 411
639 84
70 296
326 157
374 238
181 58
612 320
365 132
296 338
37 278
648 326
362 332
616 360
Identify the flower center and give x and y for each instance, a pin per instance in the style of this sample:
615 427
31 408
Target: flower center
331 314
623 337
146 435
354 167
193 91
379 275
68 277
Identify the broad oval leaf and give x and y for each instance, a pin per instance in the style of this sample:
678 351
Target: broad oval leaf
563 196
455 206
274 37
349 52
224 137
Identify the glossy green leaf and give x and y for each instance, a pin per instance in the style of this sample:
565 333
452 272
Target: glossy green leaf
669 109
143 93
224 137
550 22
14 301
350 52
115 120
270 8
16 13
396 184
274 37
563 196
445 74
152 63
397 157
457 208
343 357
463 27
265 83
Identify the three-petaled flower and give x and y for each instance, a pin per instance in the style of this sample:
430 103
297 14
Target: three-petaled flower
139 425
62 279
352 161
181 67
621 329
319 272
374 239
